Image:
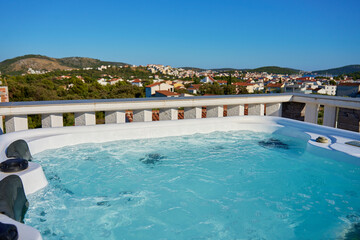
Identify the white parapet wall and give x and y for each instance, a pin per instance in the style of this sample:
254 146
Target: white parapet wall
16 113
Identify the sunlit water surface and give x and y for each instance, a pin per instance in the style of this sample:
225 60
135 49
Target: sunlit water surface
223 185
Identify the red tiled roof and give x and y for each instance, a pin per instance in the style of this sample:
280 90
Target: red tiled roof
153 85
275 85
167 93
195 86
306 79
136 81
244 84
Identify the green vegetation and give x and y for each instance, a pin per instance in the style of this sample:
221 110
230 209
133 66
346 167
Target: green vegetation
320 115
354 76
48 86
275 70
339 71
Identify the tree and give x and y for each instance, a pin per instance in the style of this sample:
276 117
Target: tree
242 90
229 89
229 81
332 82
209 88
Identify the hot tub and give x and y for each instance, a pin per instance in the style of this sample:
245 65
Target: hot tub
231 184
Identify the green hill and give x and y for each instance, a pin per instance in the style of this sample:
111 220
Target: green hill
339 71
275 70
270 69
19 65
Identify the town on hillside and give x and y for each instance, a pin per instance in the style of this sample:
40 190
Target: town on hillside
165 81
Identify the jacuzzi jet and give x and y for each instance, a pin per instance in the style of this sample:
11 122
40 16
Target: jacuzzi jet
322 140
8 231
13 202
103 203
14 165
274 143
152 158
19 149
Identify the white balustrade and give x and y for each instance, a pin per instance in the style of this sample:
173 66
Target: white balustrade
1 125
192 112
16 112
16 123
311 112
168 114
274 109
142 115
215 112
235 110
52 120
85 118
329 116
114 117
256 109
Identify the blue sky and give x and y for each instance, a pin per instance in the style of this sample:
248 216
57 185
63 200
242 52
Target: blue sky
302 34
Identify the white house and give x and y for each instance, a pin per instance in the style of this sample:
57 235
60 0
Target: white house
152 88
137 82
207 80
114 81
330 90
102 81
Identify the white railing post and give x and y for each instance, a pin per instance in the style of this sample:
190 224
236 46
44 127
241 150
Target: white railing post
256 109
168 114
114 117
274 109
85 118
142 115
1 125
52 120
214 111
311 112
329 116
192 112
235 110
16 123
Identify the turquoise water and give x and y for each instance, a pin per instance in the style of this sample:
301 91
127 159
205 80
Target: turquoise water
222 185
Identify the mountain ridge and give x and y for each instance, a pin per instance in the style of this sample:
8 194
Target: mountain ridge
340 70
21 64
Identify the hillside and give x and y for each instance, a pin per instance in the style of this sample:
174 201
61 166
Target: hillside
194 69
339 71
270 69
21 64
275 70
